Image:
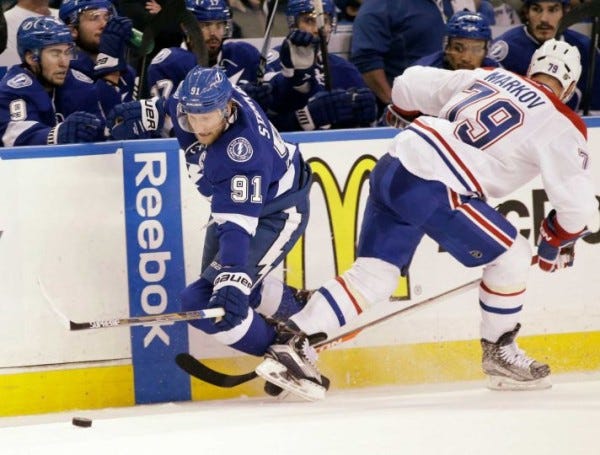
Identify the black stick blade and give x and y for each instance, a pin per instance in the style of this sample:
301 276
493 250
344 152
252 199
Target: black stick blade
197 369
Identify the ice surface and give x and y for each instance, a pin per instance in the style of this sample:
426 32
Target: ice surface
461 419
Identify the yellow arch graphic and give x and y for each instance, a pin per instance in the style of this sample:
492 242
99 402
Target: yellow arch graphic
343 212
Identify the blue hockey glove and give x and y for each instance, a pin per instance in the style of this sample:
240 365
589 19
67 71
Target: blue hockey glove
326 109
231 291
78 127
113 44
398 118
364 106
261 93
298 53
136 119
556 247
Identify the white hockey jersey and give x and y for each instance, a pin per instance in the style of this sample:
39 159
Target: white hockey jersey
488 131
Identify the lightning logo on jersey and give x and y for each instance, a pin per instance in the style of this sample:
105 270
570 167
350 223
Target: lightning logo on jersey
240 150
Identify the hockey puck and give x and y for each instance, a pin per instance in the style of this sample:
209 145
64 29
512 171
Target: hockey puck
82 422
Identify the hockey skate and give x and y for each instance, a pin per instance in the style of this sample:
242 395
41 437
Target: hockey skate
509 368
303 295
290 364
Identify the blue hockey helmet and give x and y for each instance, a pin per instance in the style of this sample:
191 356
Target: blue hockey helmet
467 24
297 7
530 2
211 11
205 90
36 33
70 10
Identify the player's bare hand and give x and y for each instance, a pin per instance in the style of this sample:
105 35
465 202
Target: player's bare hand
153 7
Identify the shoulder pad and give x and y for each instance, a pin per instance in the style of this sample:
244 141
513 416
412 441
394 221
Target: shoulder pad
273 56
19 81
81 77
498 51
161 56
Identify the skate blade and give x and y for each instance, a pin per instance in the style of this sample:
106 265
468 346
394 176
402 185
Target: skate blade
276 373
503 383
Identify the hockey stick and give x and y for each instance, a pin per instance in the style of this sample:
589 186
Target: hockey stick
174 11
3 31
132 321
146 46
577 14
318 4
271 8
197 369
189 23
147 320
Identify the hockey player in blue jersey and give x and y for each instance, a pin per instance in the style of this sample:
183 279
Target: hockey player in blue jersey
43 101
297 97
239 60
101 38
465 47
514 48
465 44
258 188
389 35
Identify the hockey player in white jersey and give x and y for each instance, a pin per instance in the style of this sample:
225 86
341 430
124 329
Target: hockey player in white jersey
483 133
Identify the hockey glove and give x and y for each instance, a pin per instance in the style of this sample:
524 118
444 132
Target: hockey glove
297 54
231 291
556 247
113 44
78 127
136 119
364 106
398 118
326 109
261 93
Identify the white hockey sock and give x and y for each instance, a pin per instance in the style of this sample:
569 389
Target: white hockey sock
331 307
500 312
270 296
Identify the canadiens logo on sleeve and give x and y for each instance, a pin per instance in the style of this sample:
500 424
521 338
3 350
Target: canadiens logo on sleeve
240 150
20 81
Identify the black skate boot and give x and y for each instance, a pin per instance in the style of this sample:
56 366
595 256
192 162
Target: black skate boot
290 364
509 368
303 295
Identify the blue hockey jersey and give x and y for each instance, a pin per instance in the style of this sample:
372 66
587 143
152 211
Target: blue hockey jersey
287 98
28 111
393 34
109 95
436 60
248 172
169 67
515 47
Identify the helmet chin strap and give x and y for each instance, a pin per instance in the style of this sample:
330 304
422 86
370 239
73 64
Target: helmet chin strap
230 115
567 93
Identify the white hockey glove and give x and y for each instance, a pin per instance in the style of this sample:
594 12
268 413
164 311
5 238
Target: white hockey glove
298 53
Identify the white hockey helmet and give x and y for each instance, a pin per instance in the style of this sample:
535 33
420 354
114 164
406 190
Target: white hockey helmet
557 59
